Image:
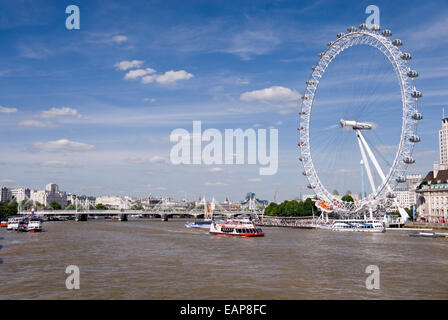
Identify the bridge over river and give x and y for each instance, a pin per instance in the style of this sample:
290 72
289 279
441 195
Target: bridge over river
123 214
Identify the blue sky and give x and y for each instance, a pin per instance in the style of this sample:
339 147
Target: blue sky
70 115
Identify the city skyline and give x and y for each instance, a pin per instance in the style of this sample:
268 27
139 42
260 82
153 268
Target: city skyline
100 124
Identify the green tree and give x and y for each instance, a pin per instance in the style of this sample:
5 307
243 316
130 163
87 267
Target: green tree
136 207
8 208
55 206
347 198
100 206
271 209
70 207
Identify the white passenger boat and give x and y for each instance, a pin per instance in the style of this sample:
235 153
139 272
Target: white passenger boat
33 225
199 224
16 224
370 225
236 227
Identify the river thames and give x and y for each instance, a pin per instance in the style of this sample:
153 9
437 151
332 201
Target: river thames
151 259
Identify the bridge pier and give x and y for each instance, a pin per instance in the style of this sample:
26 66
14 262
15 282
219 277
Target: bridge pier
164 217
81 217
123 217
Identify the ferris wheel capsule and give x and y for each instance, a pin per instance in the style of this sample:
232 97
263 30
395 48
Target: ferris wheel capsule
416 94
401 179
304 173
309 186
340 35
315 68
412 74
363 26
386 33
302 112
391 195
351 29
330 43
309 82
397 42
406 56
304 97
414 138
417 116
409 160
375 27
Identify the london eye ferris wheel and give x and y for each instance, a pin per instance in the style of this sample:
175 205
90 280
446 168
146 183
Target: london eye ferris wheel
355 125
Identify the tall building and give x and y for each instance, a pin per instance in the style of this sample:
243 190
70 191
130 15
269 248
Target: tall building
432 204
443 142
20 194
49 195
5 194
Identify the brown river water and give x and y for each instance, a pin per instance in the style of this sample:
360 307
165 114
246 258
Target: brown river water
152 259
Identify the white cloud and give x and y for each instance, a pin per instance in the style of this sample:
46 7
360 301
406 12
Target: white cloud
125 65
216 184
7 181
217 169
119 39
149 100
249 43
7 110
165 139
270 95
168 77
138 73
254 180
63 145
56 164
278 123
157 159
154 159
173 76
64 111
35 123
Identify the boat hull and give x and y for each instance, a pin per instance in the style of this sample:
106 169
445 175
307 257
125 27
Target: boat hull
247 235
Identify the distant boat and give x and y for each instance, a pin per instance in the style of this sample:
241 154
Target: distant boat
4 223
358 225
236 227
16 224
33 225
199 224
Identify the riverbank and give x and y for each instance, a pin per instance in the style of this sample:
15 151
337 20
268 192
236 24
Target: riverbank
418 225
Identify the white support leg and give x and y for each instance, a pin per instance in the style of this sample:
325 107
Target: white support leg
364 158
372 157
402 212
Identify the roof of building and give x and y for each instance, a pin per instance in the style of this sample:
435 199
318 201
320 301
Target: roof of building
438 182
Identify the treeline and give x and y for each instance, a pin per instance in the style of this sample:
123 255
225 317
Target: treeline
8 208
291 208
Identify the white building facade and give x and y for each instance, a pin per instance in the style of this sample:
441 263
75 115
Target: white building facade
20 194
49 195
